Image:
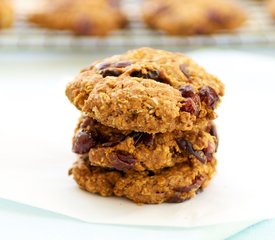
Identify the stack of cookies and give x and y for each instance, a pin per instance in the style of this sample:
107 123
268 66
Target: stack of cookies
146 131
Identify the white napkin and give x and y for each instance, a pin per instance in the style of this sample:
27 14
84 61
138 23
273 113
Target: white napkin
37 123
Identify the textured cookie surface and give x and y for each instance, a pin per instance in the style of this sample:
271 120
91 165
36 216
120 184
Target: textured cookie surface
128 150
6 14
147 90
83 17
189 17
174 185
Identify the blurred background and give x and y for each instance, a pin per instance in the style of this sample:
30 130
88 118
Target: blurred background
34 32
44 44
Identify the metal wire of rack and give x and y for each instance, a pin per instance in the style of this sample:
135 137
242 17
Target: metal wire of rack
259 30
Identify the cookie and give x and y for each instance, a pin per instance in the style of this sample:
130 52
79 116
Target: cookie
6 14
191 17
173 185
82 17
147 90
271 7
129 150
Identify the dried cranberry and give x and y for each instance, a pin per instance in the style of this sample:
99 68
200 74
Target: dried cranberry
151 74
145 138
113 140
184 70
121 64
87 121
187 147
83 142
137 74
192 100
190 106
176 198
162 79
103 65
196 183
209 96
154 74
187 91
200 156
110 72
148 139
137 138
122 161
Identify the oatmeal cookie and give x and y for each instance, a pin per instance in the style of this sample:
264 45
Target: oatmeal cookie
129 150
82 17
147 90
6 14
271 7
173 185
188 17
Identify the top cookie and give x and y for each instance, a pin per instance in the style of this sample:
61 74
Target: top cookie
82 17
6 14
147 90
188 17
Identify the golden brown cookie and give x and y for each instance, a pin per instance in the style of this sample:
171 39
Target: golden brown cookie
271 7
188 17
173 185
147 90
129 150
82 17
6 14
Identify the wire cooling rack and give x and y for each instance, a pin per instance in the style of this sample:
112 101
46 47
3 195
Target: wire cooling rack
258 30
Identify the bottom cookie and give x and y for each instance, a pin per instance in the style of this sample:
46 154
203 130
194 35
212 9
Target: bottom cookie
173 185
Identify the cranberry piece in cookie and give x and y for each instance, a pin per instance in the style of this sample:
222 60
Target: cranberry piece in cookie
110 72
187 147
113 140
191 103
184 70
209 96
145 138
83 142
122 161
121 64
196 183
187 91
190 106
